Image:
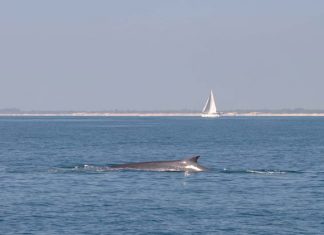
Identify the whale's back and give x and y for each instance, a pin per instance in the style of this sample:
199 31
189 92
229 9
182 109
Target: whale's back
189 164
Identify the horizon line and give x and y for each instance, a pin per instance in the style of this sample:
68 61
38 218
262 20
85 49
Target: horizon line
184 110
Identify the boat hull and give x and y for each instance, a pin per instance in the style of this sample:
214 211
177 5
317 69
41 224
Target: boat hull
211 115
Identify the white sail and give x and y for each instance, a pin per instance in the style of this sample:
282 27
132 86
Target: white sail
209 109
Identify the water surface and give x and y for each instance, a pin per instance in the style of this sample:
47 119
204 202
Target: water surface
266 176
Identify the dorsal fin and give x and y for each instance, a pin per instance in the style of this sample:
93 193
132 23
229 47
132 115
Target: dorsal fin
193 159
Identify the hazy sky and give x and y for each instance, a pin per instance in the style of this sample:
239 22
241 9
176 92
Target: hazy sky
161 55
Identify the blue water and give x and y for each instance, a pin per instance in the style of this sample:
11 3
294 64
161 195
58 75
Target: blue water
266 176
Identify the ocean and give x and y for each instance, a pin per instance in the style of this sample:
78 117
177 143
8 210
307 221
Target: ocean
265 175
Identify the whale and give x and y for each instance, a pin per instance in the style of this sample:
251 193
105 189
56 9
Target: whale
187 165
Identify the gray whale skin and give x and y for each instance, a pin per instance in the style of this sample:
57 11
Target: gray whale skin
187 165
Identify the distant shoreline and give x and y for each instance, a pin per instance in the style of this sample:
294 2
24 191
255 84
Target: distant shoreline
157 114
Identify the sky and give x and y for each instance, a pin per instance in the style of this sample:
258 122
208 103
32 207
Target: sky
161 55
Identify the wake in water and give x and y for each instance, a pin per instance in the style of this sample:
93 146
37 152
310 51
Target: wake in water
101 169
260 171
83 169
92 169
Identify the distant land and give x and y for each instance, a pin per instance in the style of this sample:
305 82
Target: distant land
134 113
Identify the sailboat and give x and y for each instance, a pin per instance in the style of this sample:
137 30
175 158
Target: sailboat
210 107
